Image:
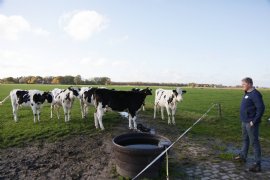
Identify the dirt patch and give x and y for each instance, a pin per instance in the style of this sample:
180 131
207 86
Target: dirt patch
90 156
72 157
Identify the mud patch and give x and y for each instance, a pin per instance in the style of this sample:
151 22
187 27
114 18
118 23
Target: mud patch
91 157
74 157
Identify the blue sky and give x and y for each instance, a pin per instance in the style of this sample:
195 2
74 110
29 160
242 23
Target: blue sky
209 41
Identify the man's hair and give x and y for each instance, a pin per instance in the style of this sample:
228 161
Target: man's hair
248 80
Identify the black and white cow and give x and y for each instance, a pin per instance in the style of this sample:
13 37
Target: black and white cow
64 98
32 98
118 101
86 99
169 100
138 90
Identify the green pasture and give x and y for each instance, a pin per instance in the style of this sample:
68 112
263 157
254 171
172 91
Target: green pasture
196 102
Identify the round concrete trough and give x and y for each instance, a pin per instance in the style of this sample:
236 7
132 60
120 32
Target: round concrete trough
134 151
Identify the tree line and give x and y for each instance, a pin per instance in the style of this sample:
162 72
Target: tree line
78 80
56 80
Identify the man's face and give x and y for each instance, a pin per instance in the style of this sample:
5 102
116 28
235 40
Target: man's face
246 86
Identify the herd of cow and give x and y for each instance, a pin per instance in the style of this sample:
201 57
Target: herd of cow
102 99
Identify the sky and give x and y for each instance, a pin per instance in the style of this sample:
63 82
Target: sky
173 41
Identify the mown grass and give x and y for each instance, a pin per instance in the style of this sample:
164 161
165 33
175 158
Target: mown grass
195 103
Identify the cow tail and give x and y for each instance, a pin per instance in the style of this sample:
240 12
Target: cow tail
1 102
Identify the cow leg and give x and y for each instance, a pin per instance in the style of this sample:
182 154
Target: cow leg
169 114
57 112
173 114
134 122
34 113
162 114
100 113
96 120
35 117
15 115
85 110
14 110
129 121
66 113
82 109
52 107
38 114
155 110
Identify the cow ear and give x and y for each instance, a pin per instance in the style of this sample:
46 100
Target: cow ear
175 92
184 91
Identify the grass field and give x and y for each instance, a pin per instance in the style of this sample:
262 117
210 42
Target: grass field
195 103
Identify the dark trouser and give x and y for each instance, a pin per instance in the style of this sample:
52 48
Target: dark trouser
250 135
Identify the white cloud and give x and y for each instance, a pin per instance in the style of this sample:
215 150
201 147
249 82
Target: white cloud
81 25
17 63
40 32
115 41
12 26
98 62
120 64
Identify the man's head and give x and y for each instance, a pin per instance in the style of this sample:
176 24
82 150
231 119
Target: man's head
247 83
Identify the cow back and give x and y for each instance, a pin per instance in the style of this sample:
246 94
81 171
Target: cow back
119 100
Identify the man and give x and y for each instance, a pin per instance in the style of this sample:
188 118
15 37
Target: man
251 112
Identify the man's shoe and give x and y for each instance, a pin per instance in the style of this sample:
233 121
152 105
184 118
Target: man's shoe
239 158
255 168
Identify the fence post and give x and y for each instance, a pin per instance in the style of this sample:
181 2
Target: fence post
219 110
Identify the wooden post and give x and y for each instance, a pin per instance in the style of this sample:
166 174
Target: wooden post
219 110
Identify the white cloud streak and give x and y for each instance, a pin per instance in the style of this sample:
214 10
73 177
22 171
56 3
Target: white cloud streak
81 25
12 26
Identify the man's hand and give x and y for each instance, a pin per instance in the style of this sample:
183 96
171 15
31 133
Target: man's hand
251 123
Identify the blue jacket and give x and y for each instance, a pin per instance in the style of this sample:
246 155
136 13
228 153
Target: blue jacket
252 107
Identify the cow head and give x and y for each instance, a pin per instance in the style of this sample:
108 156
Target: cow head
87 95
75 90
147 91
38 98
48 96
178 94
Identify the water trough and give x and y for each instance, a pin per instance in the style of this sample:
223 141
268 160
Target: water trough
134 151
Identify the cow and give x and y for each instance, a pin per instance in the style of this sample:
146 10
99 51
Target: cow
169 100
138 90
131 101
86 99
32 98
64 98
